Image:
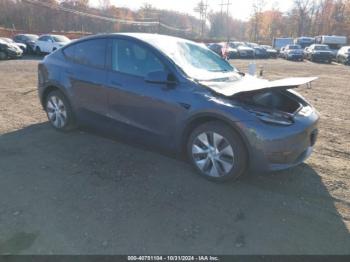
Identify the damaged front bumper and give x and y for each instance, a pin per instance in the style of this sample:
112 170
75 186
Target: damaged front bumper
274 147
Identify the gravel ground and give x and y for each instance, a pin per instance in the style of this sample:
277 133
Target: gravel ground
81 193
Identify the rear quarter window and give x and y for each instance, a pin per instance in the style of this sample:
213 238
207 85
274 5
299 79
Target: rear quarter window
90 53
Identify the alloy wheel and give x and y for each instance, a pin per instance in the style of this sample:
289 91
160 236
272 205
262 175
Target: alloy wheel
213 154
56 112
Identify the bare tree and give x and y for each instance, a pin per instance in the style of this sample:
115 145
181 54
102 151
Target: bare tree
258 7
303 8
104 4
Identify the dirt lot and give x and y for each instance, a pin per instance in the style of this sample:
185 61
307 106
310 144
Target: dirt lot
81 193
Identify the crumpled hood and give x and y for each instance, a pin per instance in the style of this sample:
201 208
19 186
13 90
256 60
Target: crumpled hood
249 83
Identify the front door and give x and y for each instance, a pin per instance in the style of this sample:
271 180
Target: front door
142 107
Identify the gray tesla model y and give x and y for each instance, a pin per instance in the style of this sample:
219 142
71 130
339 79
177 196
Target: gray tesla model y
179 95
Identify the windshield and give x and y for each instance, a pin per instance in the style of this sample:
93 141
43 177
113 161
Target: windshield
321 47
60 38
196 61
31 37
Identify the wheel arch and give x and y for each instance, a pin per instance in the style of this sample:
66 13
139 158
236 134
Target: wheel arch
48 89
205 118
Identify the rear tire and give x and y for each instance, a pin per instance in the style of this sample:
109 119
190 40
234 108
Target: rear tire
59 111
217 152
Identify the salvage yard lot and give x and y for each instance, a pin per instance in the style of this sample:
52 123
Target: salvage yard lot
81 193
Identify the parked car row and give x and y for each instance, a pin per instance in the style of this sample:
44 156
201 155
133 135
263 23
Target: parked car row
315 53
31 44
298 49
323 48
235 49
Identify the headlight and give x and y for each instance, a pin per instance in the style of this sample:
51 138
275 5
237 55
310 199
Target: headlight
273 118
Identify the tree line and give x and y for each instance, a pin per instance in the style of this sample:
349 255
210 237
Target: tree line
306 18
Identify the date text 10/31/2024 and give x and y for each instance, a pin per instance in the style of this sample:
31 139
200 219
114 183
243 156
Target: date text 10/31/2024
173 258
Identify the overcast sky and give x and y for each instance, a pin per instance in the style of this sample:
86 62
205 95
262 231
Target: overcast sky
240 9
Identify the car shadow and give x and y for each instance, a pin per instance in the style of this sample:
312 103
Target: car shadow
79 193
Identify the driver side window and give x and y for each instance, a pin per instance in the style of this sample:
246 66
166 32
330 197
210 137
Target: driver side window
131 58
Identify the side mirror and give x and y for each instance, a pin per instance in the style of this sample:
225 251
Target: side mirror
159 77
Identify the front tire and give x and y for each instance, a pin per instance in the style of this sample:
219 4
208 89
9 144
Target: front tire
217 152
59 111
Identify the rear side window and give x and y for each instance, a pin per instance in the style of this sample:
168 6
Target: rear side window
44 38
131 58
90 53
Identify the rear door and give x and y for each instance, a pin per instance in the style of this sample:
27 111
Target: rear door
86 74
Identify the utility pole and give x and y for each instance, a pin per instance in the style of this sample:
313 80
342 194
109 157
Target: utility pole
221 5
227 5
205 17
202 10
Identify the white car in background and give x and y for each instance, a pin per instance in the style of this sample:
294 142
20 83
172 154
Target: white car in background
50 43
10 41
343 55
